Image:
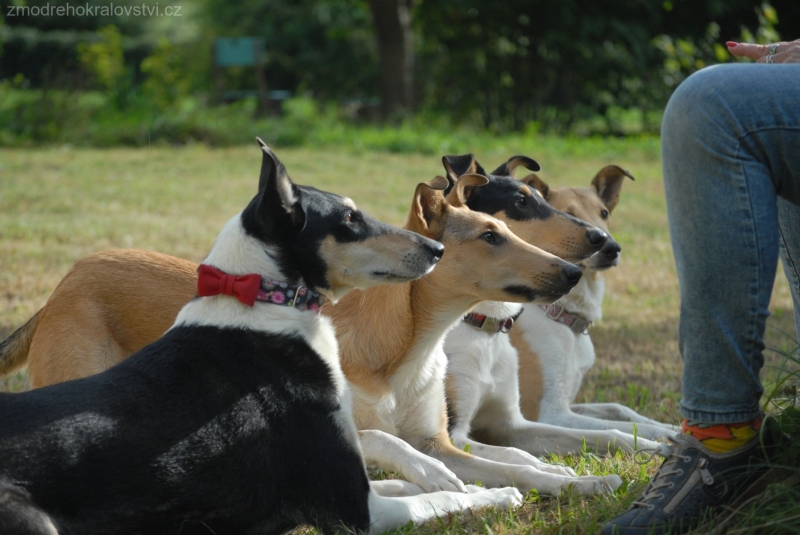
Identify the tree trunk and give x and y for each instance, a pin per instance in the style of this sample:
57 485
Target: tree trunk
392 19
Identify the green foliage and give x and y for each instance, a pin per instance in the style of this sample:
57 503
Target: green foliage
324 48
167 80
572 67
685 55
766 31
103 59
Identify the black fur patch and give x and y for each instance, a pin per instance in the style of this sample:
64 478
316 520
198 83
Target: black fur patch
525 291
325 216
503 194
224 428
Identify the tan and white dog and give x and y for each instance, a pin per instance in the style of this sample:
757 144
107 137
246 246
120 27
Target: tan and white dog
485 369
391 337
569 353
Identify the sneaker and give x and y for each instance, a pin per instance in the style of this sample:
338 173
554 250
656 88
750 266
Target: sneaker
691 481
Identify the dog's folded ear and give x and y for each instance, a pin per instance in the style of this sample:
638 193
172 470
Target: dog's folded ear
280 197
456 166
459 196
608 183
428 207
538 184
510 167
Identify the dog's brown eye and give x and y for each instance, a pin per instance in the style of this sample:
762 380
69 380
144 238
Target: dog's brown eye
521 201
349 217
489 237
604 214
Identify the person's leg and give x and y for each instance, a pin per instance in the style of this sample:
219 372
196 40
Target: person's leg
730 138
789 218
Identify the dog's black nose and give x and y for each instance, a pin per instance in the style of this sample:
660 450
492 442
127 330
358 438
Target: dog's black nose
596 237
437 250
572 274
611 249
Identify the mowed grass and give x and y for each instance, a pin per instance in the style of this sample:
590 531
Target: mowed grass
58 205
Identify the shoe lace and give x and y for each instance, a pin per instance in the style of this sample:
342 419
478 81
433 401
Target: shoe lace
651 492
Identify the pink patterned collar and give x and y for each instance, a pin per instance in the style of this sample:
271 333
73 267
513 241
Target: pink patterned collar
290 295
577 323
490 324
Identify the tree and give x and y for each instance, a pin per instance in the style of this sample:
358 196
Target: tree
392 20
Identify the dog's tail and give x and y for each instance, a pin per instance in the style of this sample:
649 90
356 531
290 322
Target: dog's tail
14 349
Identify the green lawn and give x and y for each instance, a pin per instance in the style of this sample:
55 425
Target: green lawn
58 205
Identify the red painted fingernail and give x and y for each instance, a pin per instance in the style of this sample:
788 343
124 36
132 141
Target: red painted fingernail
731 43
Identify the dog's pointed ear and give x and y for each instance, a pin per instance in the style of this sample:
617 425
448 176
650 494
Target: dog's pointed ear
428 207
460 165
279 195
464 187
510 167
538 184
608 183
457 165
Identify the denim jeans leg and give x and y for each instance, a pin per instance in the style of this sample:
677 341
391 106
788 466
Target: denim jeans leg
789 218
730 140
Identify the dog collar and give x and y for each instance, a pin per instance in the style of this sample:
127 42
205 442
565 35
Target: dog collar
252 287
556 312
489 324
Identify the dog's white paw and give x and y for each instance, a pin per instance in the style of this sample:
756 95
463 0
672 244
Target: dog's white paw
557 469
501 498
432 475
518 456
646 444
590 485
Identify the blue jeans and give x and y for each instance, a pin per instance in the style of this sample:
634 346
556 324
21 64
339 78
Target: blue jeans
731 153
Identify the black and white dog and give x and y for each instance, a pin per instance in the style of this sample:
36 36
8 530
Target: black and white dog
238 420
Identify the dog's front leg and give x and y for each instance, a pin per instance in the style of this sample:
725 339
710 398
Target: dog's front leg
506 455
541 439
496 474
615 411
567 418
393 454
388 513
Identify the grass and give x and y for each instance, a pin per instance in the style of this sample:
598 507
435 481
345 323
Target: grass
60 204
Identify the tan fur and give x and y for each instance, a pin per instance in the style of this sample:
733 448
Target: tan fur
589 203
530 377
14 349
594 205
378 329
109 305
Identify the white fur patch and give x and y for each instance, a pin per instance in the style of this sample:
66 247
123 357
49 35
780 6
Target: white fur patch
237 253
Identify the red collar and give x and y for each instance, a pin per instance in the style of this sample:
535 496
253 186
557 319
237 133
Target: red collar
251 288
556 312
489 324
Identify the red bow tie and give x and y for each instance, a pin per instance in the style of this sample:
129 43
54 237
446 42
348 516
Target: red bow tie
212 281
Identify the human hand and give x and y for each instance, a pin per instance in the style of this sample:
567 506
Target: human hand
783 52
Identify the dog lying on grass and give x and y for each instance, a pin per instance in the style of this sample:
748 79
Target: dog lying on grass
485 375
556 339
238 419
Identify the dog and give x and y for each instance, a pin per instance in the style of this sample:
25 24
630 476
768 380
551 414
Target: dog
483 383
238 419
391 336
558 337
